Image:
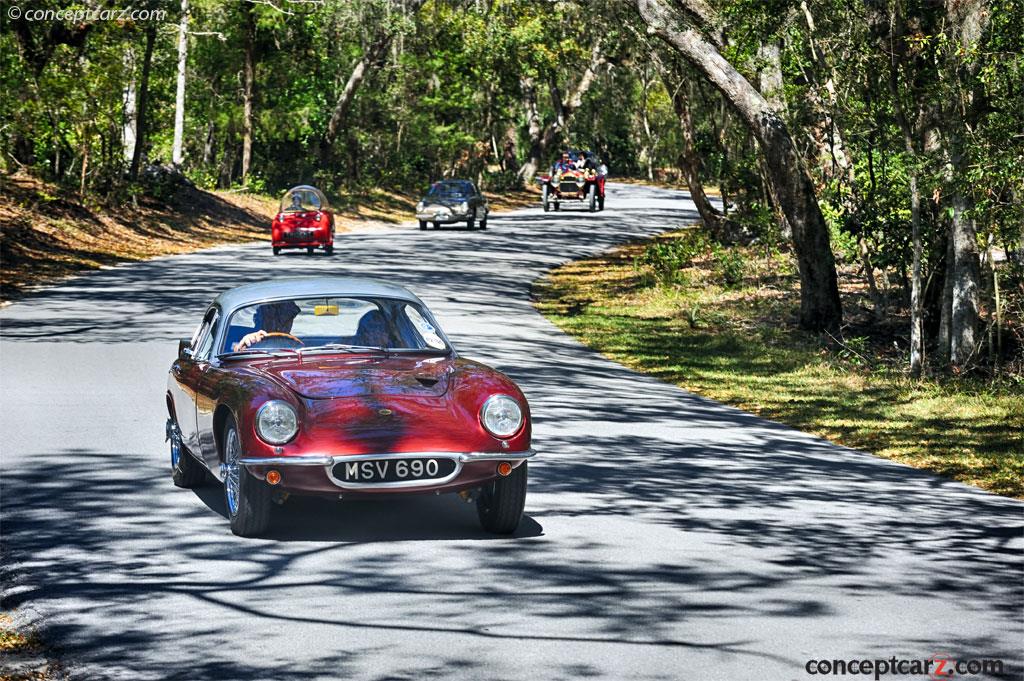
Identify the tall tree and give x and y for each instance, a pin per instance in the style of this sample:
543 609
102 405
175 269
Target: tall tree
141 122
179 98
248 81
820 308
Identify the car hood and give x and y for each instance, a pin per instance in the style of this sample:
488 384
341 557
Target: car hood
328 377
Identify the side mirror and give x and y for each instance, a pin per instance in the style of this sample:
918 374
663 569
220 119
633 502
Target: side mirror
184 348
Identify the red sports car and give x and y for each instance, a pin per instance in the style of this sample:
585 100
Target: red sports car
341 387
305 221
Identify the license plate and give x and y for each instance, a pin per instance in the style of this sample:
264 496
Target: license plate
393 470
302 235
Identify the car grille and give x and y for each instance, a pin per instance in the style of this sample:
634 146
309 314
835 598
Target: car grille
568 188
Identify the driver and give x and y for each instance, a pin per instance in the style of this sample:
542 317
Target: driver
296 202
563 164
269 318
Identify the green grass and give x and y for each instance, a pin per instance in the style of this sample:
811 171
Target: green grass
738 344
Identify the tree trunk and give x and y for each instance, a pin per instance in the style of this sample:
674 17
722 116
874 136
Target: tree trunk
371 60
247 89
966 275
140 121
820 308
179 98
128 131
968 19
690 162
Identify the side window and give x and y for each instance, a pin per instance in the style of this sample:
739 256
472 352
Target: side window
204 338
425 329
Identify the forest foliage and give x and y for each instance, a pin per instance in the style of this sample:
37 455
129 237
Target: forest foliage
907 115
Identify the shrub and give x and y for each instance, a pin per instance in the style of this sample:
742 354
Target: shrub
668 257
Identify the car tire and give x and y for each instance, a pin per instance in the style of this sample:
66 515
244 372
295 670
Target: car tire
310 249
592 198
501 502
483 223
556 205
277 251
471 222
329 249
186 472
600 202
545 198
248 500
423 224
437 225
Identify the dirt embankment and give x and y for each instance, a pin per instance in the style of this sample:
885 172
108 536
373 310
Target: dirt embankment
47 235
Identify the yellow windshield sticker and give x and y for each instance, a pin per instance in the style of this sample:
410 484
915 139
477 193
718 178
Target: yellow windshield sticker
325 310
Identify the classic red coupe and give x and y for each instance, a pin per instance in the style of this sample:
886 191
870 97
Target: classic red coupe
305 221
341 387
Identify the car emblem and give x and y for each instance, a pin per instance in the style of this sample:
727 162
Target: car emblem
384 412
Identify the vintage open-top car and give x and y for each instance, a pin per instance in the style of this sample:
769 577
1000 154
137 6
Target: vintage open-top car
451 201
578 177
304 220
341 387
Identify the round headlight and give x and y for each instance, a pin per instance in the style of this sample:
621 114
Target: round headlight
501 416
419 207
276 422
463 207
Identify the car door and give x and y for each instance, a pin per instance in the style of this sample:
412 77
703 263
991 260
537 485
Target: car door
206 398
186 374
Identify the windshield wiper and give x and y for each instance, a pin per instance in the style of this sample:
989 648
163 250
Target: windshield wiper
276 352
344 347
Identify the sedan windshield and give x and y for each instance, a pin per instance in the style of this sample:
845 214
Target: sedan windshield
339 324
450 190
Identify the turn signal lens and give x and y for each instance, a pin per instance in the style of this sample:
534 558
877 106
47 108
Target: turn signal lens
504 469
273 477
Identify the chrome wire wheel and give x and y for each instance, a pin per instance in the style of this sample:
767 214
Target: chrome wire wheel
175 451
232 477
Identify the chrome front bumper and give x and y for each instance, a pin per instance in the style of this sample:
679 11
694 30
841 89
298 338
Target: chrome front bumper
442 217
327 463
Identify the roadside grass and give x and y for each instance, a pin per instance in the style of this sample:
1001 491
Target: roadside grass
738 343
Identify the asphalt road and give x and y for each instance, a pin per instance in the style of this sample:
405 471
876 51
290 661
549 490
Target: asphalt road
666 536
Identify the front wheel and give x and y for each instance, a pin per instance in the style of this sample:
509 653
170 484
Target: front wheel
423 224
277 251
247 499
483 223
545 197
310 249
592 198
501 502
471 222
329 249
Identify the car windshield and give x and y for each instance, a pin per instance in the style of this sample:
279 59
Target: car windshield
450 190
336 324
302 199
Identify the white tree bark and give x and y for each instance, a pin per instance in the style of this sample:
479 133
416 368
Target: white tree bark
179 99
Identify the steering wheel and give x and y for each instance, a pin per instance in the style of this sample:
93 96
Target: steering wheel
278 339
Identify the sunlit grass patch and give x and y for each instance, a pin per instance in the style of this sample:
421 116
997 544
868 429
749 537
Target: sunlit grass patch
737 343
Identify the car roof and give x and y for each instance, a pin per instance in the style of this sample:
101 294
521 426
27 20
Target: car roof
311 287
